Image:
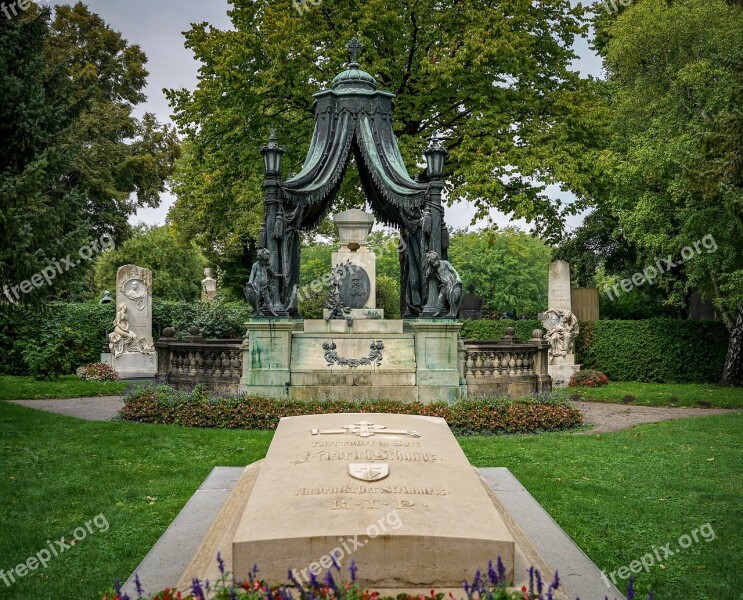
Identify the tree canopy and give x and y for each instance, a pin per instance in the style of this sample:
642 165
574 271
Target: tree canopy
177 269
494 77
75 163
672 170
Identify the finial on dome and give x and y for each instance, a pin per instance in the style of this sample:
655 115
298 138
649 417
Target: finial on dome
354 47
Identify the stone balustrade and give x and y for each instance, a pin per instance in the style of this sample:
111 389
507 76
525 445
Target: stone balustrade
217 364
505 366
501 367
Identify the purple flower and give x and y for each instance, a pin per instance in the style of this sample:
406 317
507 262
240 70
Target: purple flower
540 583
353 569
531 580
501 570
492 575
630 588
117 586
138 585
336 564
556 582
196 589
220 562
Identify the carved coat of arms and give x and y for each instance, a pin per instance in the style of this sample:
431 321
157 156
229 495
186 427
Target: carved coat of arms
368 471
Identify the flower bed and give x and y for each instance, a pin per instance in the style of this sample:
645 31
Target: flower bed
492 585
486 416
588 378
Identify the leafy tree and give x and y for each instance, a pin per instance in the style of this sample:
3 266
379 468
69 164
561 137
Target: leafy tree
673 168
508 268
75 163
495 77
177 269
122 163
38 204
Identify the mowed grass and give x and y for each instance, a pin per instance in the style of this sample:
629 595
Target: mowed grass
621 495
697 395
617 495
67 386
58 473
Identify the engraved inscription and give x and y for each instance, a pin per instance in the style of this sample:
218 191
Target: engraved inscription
368 456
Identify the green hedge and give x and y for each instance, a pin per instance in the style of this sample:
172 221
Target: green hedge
654 350
494 330
63 336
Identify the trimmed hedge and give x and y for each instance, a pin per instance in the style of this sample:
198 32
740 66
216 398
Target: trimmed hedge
486 329
61 337
654 350
199 408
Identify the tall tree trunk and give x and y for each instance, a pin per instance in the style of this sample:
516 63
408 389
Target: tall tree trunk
732 372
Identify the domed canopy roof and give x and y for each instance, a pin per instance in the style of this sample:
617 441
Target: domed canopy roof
354 118
353 76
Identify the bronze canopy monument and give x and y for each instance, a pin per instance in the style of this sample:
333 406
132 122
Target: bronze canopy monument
354 352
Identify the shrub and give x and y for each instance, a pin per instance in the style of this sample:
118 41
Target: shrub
487 329
97 372
63 336
485 416
654 350
588 378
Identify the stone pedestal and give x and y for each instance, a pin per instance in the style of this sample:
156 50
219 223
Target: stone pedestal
369 359
136 365
393 493
437 366
353 228
267 357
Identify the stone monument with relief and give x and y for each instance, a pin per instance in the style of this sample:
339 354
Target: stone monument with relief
130 341
561 325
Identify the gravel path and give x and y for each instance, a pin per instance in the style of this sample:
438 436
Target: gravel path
615 417
102 408
604 417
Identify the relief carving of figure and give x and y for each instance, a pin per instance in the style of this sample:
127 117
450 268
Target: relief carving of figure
122 339
258 290
562 329
449 285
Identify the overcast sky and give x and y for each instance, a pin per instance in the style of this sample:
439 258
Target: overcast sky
158 26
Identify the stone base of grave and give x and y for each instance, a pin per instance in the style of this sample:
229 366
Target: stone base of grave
133 365
369 359
562 369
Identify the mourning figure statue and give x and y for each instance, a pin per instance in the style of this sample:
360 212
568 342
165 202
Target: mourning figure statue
259 289
449 285
122 339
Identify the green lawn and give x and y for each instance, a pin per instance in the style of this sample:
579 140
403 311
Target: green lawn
698 395
68 386
618 494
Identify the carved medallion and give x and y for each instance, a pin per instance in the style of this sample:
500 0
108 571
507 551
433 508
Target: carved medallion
136 286
355 287
368 471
